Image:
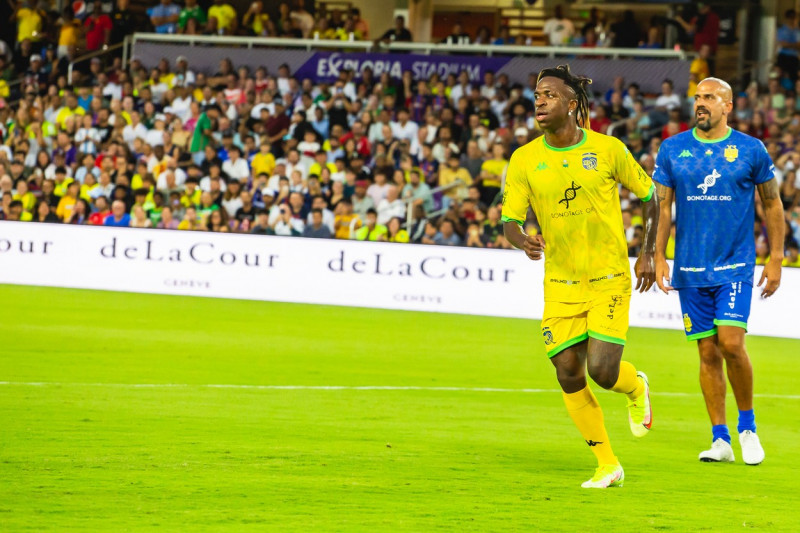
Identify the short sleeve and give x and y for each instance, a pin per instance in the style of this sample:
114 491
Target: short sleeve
516 196
663 171
764 169
631 175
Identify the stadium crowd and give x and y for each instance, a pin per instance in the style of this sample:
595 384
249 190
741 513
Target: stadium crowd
363 158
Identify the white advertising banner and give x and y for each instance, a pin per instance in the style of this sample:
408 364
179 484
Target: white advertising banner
289 269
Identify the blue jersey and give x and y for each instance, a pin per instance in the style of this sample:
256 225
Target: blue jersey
714 184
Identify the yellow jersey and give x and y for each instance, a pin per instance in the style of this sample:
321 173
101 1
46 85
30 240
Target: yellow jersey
574 193
494 167
224 14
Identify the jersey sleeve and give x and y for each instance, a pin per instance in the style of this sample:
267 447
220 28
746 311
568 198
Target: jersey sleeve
663 172
631 175
516 195
763 168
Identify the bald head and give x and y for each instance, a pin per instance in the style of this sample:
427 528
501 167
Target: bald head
716 86
713 101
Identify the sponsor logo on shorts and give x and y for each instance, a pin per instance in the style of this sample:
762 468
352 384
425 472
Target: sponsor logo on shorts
565 281
736 288
612 306
548 336
609 276
729 267
687 323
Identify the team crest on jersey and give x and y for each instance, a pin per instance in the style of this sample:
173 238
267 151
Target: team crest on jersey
687 322
731 153
590 161
548 336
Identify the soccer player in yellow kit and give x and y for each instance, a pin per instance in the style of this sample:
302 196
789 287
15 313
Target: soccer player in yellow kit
570 178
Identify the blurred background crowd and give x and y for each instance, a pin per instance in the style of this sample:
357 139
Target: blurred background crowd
366 157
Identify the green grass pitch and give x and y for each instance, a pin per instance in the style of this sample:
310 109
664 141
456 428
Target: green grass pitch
83 448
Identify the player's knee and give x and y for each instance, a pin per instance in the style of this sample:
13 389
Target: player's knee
710 354
603 374
731 348
571 378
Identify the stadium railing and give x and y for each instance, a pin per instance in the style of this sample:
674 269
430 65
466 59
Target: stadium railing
420 48
92 55
410 203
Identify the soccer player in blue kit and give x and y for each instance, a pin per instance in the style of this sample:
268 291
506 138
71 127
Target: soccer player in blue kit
711 172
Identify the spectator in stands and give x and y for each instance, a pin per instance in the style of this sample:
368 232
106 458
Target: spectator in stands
44 213
222 18
504 38
98 28
316 228
257 21
625 33
559 29
395 231
698 70
399 33
371 230
165 16
457 37
192 19
704 27
69 33
668 99
29 22
446 236
359 24
118 217
261 226
788 38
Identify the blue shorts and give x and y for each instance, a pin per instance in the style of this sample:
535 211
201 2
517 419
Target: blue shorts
705 308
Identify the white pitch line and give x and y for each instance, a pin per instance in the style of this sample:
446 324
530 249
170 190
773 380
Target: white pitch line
335 388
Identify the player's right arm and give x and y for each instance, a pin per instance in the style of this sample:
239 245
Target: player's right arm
516 198
665 192
665 198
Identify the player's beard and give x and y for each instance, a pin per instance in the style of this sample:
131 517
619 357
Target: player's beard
704 124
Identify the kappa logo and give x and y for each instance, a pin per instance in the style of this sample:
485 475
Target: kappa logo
593 443
686 153
570 194
548 336
709 181
541 166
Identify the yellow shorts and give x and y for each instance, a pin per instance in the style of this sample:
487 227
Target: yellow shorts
604 318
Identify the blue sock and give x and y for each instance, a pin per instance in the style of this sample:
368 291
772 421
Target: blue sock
721 432
747 420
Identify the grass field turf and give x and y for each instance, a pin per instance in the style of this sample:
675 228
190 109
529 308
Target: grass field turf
93 452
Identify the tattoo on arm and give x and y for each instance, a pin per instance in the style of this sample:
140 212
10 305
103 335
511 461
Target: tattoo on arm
661 192
769 190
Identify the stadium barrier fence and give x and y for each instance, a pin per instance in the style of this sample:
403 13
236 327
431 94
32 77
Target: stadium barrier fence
474 281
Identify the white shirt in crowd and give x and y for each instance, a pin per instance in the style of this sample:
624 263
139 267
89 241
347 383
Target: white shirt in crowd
378 192
205 184
180 179
154 137
232 205
388 210
670 102
131 132
237 170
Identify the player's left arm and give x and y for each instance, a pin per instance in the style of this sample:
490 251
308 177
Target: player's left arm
645 264
632 176
770 195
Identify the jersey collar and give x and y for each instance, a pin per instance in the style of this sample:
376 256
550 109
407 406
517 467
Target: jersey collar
711 141
578 144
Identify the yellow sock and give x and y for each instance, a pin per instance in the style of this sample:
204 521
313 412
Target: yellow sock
628 383
588 416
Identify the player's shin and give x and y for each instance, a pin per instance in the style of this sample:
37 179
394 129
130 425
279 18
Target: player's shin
628 383
585 411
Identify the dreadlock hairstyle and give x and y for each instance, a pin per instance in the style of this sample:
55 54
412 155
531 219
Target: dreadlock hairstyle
578 84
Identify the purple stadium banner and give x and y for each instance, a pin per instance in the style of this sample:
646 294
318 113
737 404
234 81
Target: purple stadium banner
326 66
